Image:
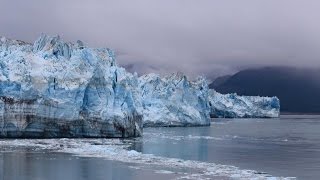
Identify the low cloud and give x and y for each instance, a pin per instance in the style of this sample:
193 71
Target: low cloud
204 37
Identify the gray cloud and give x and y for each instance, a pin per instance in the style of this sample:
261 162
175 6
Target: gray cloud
205 37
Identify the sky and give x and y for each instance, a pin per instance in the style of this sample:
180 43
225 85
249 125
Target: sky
196 37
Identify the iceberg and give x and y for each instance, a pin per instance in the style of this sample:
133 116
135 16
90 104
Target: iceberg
51 88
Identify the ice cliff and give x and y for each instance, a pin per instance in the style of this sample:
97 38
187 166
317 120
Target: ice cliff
56 89
234 106
174 101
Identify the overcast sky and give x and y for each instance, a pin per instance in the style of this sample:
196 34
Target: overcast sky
197 37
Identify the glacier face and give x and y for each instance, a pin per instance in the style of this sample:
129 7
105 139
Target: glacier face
56 89
234 106
174 101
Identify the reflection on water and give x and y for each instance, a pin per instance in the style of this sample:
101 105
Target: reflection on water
54 166
289 146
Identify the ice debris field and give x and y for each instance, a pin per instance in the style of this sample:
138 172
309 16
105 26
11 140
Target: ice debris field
118 150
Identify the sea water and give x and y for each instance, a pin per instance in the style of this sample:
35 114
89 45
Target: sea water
288 146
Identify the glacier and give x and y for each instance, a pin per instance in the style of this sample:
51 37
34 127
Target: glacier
57 89
51 88
174 101
235 106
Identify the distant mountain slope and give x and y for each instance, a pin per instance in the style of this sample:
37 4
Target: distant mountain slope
220 80
297 89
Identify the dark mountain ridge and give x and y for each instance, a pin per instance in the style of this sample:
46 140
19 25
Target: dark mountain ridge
298 89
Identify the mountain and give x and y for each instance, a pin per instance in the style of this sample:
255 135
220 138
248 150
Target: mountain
220 80
297 89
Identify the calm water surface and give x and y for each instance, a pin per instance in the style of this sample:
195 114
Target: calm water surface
61 166
289 146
